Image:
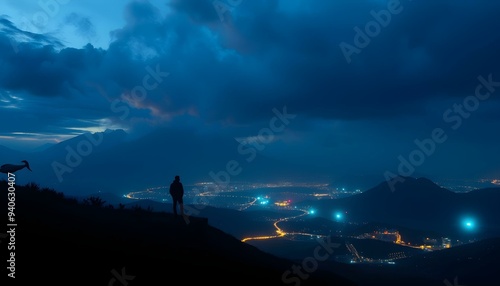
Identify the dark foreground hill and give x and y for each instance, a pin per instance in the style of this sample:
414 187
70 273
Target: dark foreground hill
474 264
62 241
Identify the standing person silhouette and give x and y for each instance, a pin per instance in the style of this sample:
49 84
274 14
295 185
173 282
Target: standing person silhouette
177 193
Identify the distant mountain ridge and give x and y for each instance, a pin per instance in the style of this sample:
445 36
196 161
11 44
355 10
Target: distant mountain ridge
407 187
111 161
57 166
420 203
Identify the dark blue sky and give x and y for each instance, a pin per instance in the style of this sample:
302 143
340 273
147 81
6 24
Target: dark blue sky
361 80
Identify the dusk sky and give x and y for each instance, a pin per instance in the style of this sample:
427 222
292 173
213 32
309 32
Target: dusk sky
355 83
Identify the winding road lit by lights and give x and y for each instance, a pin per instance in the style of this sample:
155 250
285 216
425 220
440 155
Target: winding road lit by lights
251 201
280 232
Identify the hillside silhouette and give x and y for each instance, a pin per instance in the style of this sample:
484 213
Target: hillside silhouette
473 264
61 240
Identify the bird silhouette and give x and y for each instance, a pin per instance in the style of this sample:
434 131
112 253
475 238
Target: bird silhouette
10 168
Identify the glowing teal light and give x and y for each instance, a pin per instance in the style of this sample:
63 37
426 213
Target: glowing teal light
338 216
469 224
312 211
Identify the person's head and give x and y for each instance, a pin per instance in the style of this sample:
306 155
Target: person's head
177 178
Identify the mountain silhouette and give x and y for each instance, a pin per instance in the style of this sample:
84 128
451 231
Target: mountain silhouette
419 203
112 161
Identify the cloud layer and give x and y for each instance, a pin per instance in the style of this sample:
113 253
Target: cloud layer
224 68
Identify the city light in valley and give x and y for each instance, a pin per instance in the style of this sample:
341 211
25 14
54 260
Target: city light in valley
287 202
